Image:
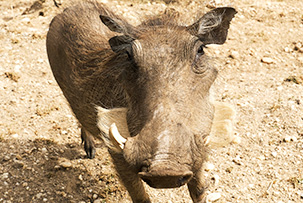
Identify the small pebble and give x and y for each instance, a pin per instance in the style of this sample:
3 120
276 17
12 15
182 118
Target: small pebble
236 140
234 55
212 197
276 193
80 177
39 195
62 193
298 45
237 160
6 158
18 164
267 60
40 60
97 201
261 157
26 20
4 176
216 179
57 167
290 139
64 132
18 157
229 169
15 135
95 196
43 150
287 50
209 166
286 139
66 164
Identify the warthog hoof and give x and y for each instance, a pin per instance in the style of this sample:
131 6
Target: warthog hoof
89 145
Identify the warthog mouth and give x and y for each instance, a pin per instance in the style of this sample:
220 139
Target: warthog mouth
170 179
159 175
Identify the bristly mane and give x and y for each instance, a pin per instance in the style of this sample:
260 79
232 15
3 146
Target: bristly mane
168 18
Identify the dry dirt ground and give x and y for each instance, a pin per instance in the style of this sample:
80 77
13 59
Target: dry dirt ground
261 74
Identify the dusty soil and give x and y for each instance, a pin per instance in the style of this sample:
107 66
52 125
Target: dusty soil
261 74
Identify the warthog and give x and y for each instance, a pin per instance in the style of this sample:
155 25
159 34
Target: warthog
144 90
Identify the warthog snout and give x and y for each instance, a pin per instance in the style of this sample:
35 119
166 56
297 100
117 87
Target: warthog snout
165 177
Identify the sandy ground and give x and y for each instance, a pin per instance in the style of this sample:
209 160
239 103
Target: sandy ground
261 74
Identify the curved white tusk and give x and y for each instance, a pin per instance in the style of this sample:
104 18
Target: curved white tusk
115 136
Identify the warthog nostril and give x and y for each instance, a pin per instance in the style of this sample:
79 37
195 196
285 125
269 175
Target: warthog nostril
166 179
183 180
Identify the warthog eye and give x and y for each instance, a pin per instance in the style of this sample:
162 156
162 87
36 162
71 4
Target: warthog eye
198 65
200 51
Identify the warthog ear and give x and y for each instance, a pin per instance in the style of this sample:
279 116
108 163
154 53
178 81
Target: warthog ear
212 28
121 43
114 25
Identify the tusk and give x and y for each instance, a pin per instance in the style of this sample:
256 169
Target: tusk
115 136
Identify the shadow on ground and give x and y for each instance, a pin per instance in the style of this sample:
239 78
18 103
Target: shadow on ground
41 170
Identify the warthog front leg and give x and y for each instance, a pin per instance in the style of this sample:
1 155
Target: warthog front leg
130 179
197 187
89 145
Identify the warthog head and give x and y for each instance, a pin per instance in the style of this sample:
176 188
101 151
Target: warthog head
161 131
